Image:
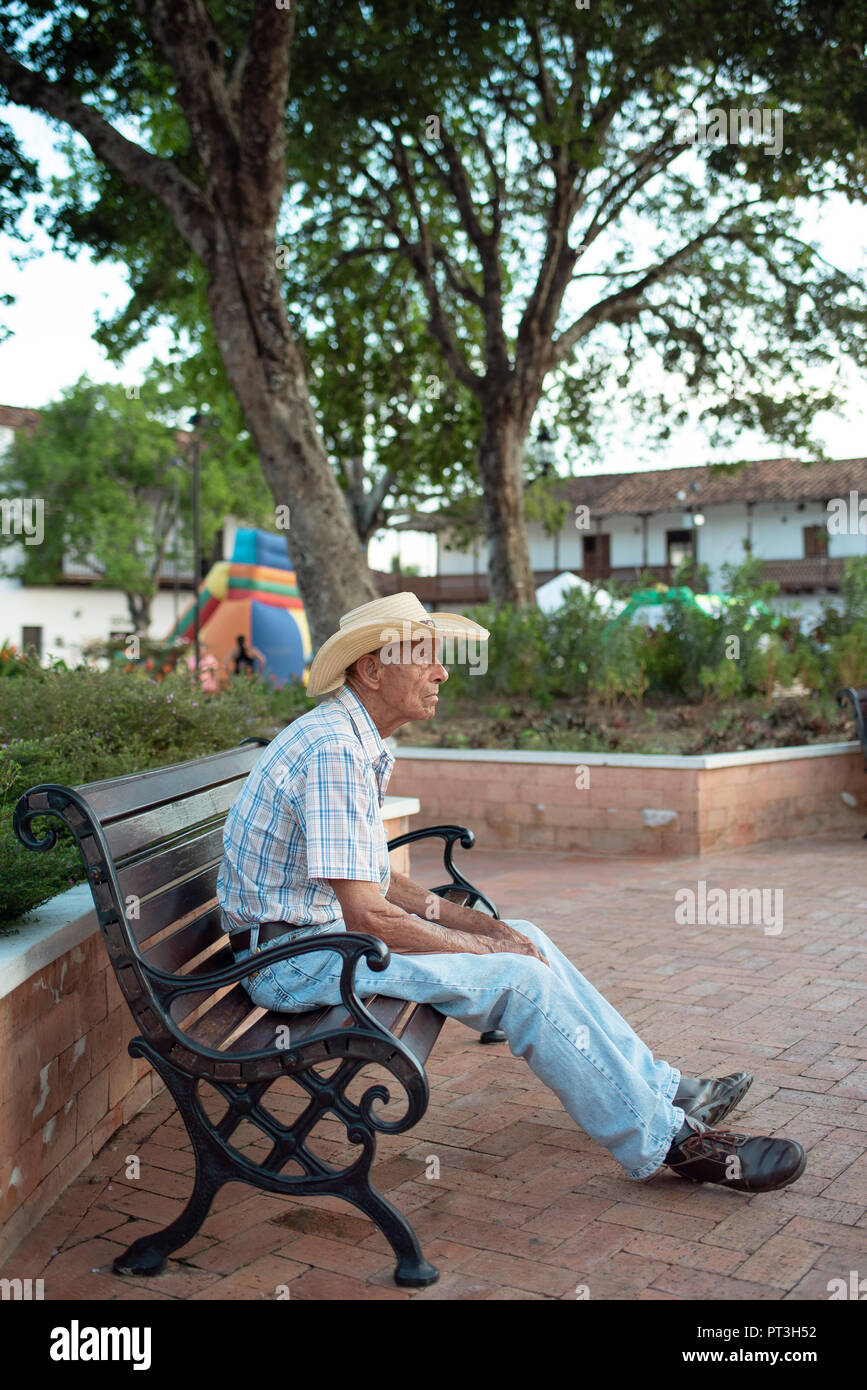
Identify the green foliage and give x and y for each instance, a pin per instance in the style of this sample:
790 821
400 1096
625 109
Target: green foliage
846 657
695 575
850 606
574 633
114 477
11 661
769 664
619 671
75 726
723 681
519 639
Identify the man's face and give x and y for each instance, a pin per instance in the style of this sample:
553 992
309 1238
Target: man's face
399 682
409 686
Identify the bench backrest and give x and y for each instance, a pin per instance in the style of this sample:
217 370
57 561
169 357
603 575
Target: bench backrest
152 845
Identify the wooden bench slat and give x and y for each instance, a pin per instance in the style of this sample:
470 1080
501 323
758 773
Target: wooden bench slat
225 1015
153 871
192 897
262 1032
184 945
121 797
386 1010
164 822
422 1030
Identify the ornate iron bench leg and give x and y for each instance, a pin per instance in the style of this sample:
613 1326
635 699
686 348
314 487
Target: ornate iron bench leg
148 1254
412 1271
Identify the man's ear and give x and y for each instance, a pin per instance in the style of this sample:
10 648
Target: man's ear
367 669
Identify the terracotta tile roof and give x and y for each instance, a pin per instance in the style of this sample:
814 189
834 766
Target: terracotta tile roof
785 480
613 494
17 417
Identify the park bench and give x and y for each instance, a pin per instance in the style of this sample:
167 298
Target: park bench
151 843
858 700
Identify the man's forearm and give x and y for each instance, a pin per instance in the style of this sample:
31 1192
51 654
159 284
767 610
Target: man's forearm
409 934
403 892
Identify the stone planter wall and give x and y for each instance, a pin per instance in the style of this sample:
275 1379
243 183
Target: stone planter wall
67 1082
611 804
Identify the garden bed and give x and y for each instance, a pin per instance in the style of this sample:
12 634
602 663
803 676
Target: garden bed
665 727
619 804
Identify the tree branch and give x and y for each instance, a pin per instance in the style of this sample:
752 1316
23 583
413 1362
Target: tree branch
627 303
187 204
184 32
264 87
420 256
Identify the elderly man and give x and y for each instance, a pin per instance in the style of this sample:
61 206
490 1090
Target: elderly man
305 854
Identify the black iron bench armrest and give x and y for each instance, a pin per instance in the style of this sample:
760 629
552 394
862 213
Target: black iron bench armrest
858 701
350 946
449 834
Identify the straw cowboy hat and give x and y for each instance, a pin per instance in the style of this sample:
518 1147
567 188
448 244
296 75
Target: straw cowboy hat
398 618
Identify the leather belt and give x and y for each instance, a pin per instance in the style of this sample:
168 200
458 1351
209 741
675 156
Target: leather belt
240 940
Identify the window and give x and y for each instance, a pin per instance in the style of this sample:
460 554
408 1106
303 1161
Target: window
597 557
678 547
31 638
815 540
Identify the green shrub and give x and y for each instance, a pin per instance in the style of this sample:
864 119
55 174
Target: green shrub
769 663
574 634
517 648
721 682
83 725
846 659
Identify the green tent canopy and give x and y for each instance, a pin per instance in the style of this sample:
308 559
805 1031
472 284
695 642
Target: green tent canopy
659 595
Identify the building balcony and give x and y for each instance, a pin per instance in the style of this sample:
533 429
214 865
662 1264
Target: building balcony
793 576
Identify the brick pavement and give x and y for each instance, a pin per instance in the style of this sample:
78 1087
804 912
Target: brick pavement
525 1205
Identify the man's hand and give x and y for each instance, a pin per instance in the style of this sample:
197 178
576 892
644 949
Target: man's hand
366 910
461 920
514 940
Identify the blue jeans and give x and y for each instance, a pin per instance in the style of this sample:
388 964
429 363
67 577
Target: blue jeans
571 1037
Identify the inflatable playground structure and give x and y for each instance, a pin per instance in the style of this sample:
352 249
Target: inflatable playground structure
253 595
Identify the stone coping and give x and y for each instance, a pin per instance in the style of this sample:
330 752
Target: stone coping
697 763
67 919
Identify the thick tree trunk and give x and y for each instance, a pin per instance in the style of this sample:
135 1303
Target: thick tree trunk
265 371
501 474
139 611
237 126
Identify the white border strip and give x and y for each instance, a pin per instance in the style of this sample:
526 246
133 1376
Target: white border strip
638 760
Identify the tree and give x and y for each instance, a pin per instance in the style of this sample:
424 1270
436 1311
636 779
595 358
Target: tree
398 429
515 176
110 471
219 187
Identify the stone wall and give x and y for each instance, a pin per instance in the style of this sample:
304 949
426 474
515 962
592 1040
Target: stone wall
605 804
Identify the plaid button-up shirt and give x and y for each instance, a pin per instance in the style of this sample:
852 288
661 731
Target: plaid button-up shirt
310 810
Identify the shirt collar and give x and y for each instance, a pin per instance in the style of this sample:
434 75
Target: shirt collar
365 729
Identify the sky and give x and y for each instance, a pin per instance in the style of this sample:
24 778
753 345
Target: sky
57 301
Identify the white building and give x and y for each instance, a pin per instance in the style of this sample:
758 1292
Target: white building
58 620
622 524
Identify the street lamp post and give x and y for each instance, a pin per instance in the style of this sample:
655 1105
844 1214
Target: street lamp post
197 526
177 464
